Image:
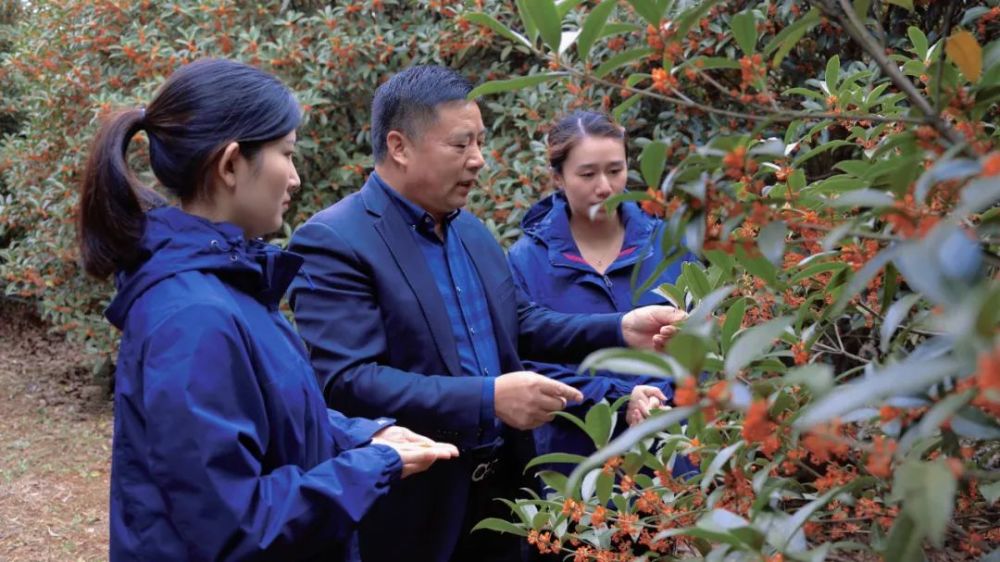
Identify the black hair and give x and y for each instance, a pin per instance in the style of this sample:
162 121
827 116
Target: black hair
408 102
203 107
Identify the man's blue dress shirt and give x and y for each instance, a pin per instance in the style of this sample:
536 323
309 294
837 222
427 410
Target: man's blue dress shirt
465 299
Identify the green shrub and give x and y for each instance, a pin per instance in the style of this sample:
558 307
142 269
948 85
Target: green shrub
838 380
74 61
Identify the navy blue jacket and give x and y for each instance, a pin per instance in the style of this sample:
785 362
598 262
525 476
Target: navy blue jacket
547 265
223 446
378 336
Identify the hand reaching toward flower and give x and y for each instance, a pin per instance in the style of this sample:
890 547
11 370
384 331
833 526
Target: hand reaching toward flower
644 399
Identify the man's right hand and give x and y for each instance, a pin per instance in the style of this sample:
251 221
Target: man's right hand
526 400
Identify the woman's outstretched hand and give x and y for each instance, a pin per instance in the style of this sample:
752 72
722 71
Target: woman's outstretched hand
417 452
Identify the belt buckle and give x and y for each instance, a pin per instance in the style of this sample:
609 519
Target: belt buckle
483 470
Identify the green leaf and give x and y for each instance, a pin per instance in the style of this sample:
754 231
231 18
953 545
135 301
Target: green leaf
631 361
593 26
692 15
817 377
805 512
904 541
990 491
623 443
624 106
906 377
500 525
526 20
544 15
611 203
697 282
863 198
754 342
785 41
932 420
734 319
771 241
745 31
498 86
565 6
707 306
896 314
555 458
862 277
621 59
647 10
758 266
672 293
972 423
919 41
928 493
598 422
605 484
908 4
710 63
499 28
832 75
718 462
554 480
689 350
651 162
814 269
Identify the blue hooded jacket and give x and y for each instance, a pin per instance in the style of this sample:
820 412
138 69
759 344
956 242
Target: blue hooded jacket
223 446
547 264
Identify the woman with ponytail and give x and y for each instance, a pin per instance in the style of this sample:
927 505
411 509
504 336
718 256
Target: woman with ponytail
223 446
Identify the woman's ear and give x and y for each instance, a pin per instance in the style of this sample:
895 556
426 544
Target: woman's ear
398 147
225 168
557 179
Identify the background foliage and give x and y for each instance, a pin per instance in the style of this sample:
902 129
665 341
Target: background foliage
836 165
71 62
843 330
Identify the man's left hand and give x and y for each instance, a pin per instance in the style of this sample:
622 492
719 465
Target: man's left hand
651 327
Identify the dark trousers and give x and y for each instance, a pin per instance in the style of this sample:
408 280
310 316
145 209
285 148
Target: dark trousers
485 545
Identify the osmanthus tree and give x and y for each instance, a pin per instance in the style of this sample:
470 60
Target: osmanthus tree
835 164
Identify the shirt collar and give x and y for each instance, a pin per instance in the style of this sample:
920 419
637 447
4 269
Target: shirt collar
413 214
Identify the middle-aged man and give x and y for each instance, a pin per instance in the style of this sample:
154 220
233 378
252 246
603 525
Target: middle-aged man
409 310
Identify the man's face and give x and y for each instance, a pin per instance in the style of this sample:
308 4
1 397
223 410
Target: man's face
445 160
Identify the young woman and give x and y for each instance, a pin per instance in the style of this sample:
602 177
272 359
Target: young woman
570 261
223 447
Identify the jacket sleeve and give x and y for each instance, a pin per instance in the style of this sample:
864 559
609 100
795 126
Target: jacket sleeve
348 433
558 337
339 317
207 432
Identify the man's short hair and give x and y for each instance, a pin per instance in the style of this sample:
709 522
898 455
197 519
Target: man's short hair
407 102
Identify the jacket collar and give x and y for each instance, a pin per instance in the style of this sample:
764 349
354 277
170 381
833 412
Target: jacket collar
547 222
174 242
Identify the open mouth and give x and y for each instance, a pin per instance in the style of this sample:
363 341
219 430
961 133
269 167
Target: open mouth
467 185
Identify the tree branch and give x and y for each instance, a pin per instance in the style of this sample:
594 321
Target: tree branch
848 19
780 115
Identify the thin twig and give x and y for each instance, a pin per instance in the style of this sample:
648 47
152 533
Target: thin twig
848 19
845 353
781 115
949 12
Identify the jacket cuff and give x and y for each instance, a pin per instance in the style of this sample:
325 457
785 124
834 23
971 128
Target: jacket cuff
393 462
359 431
487 411
621 334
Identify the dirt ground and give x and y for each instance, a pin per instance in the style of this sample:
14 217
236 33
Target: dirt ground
55 447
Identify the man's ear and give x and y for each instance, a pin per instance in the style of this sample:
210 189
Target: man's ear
225 168
398 148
